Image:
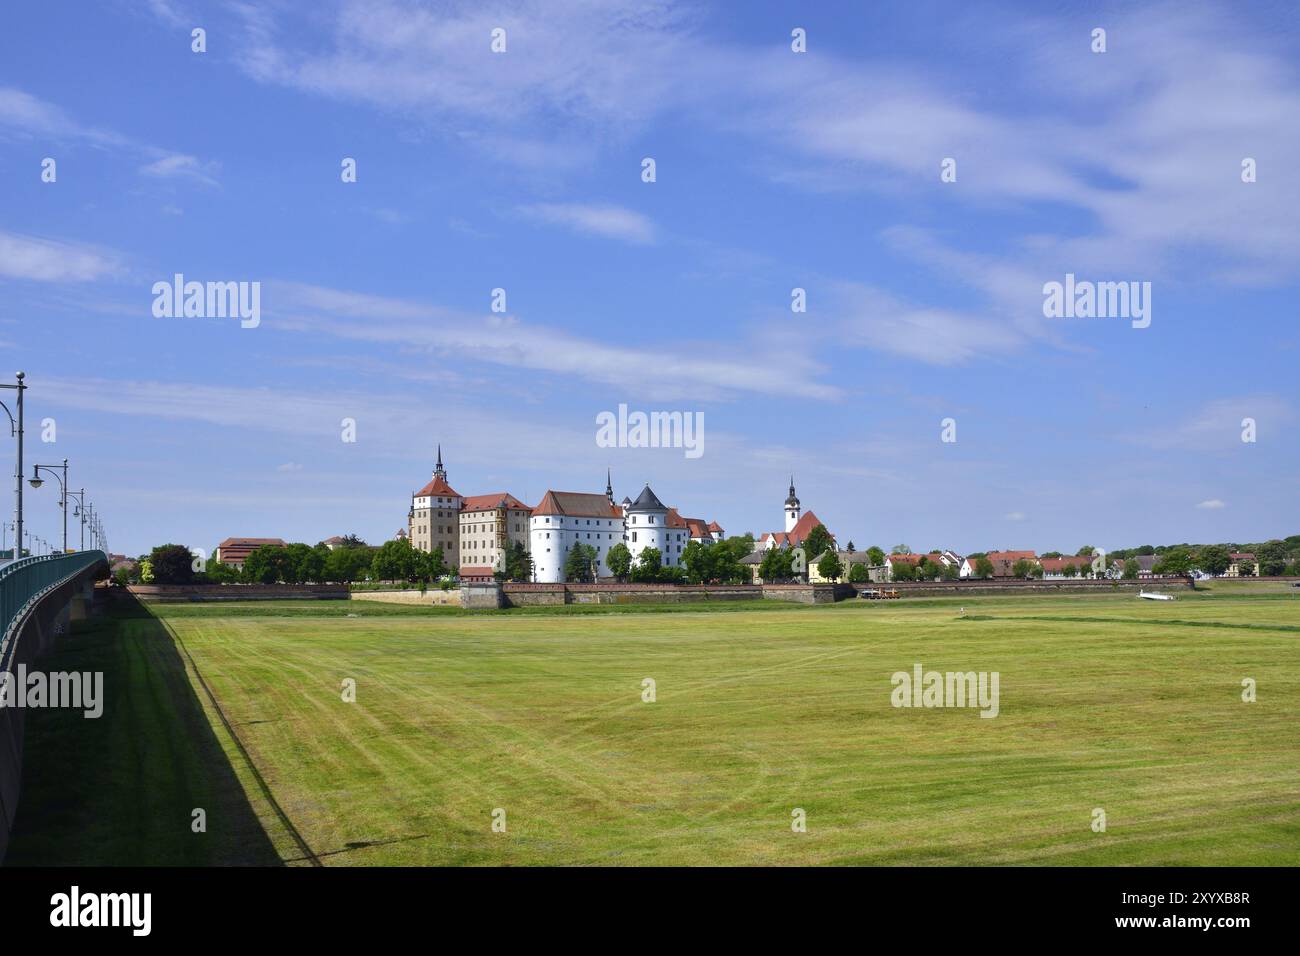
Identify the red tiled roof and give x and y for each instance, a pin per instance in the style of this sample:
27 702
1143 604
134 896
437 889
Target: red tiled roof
576 503
1012 556
714 526
249 542
334 539
1059 564
466 570
698 528
489 502
438 487
796 535
933 557
674 520
1243 556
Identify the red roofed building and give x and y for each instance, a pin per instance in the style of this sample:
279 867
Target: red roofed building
1055 567
489 525
1003 562
434 518
564 518
235 551
795 536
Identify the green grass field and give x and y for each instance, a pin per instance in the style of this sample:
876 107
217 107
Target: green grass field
1112 702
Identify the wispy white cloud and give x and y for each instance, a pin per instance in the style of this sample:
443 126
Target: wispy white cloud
179 166
1219 425
52 260
1212 504
507 340
28 116
608 221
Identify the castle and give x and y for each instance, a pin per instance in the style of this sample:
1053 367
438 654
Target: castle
475 532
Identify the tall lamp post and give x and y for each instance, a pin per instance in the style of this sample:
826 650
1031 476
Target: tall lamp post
54 470
16 430
79 512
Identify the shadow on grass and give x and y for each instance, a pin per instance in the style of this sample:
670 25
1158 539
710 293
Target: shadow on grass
121 790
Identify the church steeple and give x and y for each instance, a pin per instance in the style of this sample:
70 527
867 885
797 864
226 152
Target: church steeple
438 470
791 508
609 486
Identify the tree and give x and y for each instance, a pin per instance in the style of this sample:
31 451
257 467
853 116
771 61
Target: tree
266 565
351 541
900 549
1052 554
858 573
850 549
983 567
1214 559
830 567
875 556
648 566
1176 560
1272 558
1245 569
1131 569
345 565
311 567
146 571
172 564
122 576
578 563
699 561
1070 570
902 572
1022 568
218 572
519 562
1085 552
619 561
777 565
818 542
394 561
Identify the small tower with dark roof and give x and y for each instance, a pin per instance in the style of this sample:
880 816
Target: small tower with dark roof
791 508
438 470
609 487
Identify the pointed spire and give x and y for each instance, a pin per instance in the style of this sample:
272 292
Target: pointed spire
439 471
609 486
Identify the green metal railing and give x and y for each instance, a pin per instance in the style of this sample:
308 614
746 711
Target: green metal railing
24 580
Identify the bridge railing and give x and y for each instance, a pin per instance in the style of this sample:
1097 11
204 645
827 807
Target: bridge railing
24 580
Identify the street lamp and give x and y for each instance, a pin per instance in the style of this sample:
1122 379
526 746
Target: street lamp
16 431
79 511
54 470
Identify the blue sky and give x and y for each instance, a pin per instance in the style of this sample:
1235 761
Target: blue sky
775 170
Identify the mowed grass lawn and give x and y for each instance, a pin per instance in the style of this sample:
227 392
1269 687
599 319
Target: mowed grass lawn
1106 702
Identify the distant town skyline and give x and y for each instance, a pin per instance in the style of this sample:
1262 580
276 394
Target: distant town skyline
782 180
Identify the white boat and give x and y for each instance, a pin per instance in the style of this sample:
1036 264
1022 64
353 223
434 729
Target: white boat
1155 597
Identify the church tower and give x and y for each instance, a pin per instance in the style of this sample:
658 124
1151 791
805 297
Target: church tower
609 488
441 472
791 509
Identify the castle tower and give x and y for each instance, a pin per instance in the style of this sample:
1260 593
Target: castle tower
609 487
441 472
791 509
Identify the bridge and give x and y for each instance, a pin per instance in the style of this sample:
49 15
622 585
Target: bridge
39 598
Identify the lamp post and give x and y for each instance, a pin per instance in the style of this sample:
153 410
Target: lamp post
16 431
54 470
79 512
